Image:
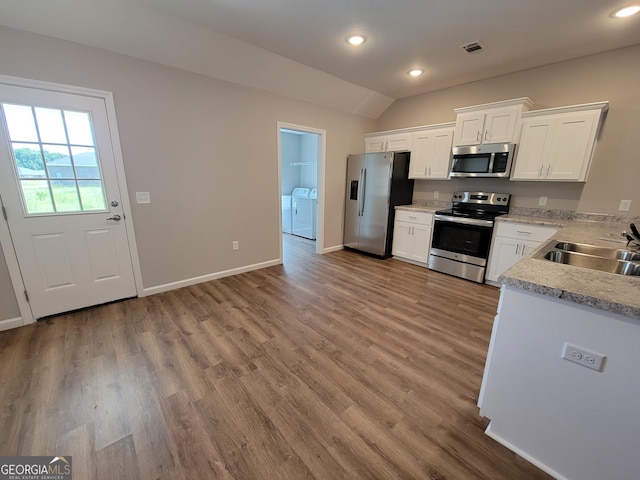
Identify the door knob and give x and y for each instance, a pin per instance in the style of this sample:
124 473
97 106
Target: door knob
116 217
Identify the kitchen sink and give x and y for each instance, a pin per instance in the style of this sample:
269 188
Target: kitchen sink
599 251
602 264
611 260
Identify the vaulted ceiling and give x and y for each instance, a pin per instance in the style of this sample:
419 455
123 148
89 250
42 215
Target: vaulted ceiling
298 48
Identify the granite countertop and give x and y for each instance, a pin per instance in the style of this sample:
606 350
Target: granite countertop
532 220
606 291
418 208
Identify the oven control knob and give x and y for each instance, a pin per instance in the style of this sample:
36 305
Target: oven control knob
498 199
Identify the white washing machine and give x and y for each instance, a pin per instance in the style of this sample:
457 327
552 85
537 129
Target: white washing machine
287 211
303 209
286 214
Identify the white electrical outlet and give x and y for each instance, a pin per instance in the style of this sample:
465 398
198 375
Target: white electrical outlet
235 245
582 356
436 194
625 205
542 201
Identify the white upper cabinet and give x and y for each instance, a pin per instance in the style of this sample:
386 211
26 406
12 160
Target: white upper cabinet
557 144
489 123
431 153
392 142
375 144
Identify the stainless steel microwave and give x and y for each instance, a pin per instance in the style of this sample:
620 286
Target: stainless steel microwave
490 160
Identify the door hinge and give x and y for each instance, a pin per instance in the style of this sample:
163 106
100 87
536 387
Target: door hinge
4 213
26 296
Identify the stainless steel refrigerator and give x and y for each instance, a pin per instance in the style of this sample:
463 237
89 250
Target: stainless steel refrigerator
376 183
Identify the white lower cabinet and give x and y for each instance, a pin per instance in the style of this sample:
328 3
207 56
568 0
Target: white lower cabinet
511 243
412 236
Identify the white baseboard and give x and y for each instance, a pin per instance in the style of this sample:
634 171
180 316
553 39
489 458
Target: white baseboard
332 249
205 278
545 468
412 262
11 323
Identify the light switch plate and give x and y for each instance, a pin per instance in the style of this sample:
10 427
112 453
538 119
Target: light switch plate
143 197
542 201
625 205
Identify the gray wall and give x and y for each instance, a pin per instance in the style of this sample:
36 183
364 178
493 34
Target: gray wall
298 148
289 153
309 154
615 171
206 150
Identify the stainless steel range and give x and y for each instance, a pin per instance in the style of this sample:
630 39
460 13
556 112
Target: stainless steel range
462 234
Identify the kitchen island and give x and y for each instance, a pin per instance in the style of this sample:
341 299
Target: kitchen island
571 420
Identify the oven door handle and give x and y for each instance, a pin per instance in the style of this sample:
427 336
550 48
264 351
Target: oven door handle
465 221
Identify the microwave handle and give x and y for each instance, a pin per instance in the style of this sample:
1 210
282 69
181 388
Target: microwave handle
491 161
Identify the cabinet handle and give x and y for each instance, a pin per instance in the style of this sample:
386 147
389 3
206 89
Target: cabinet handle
548 168
429 171
413 218
486 135
541 167
517 248
523 232
478 136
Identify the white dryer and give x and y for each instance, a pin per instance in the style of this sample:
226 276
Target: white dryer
287 207
303 208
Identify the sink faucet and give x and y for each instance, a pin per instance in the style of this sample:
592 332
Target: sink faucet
631 238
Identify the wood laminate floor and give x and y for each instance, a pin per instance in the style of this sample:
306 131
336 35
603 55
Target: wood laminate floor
335 366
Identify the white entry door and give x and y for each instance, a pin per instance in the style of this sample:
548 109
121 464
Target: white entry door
63 205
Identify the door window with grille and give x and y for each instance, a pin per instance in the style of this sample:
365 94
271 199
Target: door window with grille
55 159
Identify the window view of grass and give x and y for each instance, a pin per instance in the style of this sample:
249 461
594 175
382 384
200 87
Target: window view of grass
65 194
56 159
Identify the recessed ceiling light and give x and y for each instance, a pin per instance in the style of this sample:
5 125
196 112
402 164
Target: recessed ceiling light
627 11
416 72
356 40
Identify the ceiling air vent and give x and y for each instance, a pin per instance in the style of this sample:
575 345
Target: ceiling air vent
473 47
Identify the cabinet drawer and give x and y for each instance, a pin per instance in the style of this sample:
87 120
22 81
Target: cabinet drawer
422 218
523 231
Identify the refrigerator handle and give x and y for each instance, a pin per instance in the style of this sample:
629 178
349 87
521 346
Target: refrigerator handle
360 193
364 188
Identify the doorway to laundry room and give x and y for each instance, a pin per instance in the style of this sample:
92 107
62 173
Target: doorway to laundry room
301 152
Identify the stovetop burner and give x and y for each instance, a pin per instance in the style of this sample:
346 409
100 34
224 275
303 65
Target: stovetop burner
480 205
479 214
